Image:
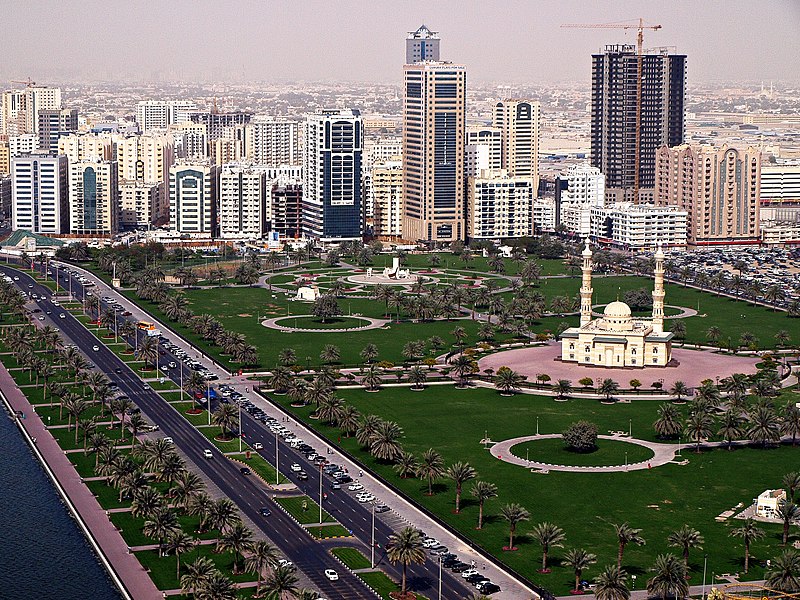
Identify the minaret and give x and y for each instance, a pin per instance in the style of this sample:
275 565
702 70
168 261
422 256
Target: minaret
586 285
658 292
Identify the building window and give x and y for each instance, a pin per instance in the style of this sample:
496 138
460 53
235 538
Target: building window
571 346
572 356
655 350
633 361
588 349
655 361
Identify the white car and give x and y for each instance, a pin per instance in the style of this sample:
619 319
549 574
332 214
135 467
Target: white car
363 498
285 563
258 446
207 453
430 542
296 468
96 348
331 575
469 573
62 316
354 487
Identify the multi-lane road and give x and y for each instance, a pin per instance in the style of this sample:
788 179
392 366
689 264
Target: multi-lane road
250 495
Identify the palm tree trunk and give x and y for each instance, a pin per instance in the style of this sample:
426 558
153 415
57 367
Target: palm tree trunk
458 499
577 580
403 583
746 557
511 539
544 560
480 515
619 555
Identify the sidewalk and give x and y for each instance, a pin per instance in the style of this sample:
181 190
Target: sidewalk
124 568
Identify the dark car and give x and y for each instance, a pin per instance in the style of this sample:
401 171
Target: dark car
460 567
302 476
265 512
118 370
489 588
244 471
477 578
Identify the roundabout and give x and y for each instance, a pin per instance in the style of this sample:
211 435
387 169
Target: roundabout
311 324
654 454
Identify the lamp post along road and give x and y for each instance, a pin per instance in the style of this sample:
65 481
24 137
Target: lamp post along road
705 564
372 544
320 494
241 433
440 577
277 474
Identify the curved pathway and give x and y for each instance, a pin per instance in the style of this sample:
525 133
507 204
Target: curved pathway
662 454
685 311
373 324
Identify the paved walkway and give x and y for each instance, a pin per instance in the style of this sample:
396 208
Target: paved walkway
662 454
372 324
114 550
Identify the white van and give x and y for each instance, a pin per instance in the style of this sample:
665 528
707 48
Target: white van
207 453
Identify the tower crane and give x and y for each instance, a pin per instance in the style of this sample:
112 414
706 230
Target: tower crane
640 27
28 82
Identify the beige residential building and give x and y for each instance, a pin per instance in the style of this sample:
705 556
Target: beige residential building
243 208
145 158
78 147
499 205
519 120
433 151
387 198
5 155
140 203
93 197
719 188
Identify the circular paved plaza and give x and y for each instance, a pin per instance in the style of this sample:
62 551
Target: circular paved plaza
693 366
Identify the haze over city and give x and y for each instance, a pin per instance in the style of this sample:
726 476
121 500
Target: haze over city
359 40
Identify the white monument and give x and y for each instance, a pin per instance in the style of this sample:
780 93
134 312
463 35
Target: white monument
307 293
395 272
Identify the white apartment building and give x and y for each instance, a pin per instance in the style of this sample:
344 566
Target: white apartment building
145 158
160 114
386 193
19 109
578 189
193 198
491 138
499 206
39 194
24 143
519 122
476 159
85 146
638 226
191 140
93 197
243 208
382 149
544 215
780 192
140 203
270 141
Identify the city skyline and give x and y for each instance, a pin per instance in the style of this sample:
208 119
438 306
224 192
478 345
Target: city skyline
512 41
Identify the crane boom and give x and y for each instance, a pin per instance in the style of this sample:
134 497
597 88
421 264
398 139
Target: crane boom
640 27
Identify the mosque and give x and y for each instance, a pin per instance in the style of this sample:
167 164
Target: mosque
618 339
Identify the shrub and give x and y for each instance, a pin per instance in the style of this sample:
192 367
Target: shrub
580 437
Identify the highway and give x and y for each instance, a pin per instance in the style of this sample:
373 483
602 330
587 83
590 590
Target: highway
310 557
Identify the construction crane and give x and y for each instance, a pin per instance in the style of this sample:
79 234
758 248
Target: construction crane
640 27
28 82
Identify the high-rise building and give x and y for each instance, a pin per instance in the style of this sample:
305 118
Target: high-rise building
492 139
5 155
193 198
12 113
39 195
24 143
578 189
243 211
270 141
160 114
54 123
93 197
191 140
499 205
387 198
5 197
433 151
286 206
145 158
332 203
719 188
141 204
86 146
217 122
422 45
518 120
36 98
613 119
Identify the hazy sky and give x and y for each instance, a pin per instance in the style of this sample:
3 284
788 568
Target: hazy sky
363 40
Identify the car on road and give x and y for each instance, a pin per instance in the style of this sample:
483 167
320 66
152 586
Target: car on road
354 487
487 588
476 579
16 277
302 476
296 468
336 486
96 348
172 364
365 497
118 370
244 471
62 316
381 508
331 575
207 453
30 286
169 440
258 446
430 542
265 512
41 317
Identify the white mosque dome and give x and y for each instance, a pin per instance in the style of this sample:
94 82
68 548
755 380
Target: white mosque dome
617 310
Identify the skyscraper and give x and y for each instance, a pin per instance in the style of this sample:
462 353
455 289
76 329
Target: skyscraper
433 151
54 123
193 198
518 121
332 203
614 107
242 202
160 114
93 197
39 194
274 142
422 45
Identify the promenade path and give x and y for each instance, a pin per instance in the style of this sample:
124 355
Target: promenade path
275 324
126 567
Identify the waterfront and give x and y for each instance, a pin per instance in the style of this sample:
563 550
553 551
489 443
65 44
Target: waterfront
43 554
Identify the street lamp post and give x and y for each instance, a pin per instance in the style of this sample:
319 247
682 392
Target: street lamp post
537 425
372 544
633 586
208 401
241 432
630 427
705 564
277 473
440 577
626 461
320 493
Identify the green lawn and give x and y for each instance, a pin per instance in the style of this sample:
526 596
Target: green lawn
329 531
608 452
131 528
162 570
658 500
351 557
198 419
66 439
309 514
380 582
260 466
225 446
305 322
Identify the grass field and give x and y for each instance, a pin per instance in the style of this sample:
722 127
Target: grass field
328 531
259 465
658 501
162 570
307 515
608 452
380 582
351 557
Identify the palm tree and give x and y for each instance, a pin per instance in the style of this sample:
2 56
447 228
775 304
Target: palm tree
578 560
281 583
462 367
669 579
227 417
508 381
146 502
148 351
186 487
668 423
224 515
730 427
385 442
698 428
611 584
514 514
348 419
460 473
263 557
784 572
679 390
483 491
548 535
749 532
685 538
218 587
608 387
136 423
626 535
238 540
367 429
563 388
369 353
280 380
790 424
179 543
405 547
431 468
417 377
764 426
406 465
788 512
196 575
160 526
330 354
791 483
372 379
